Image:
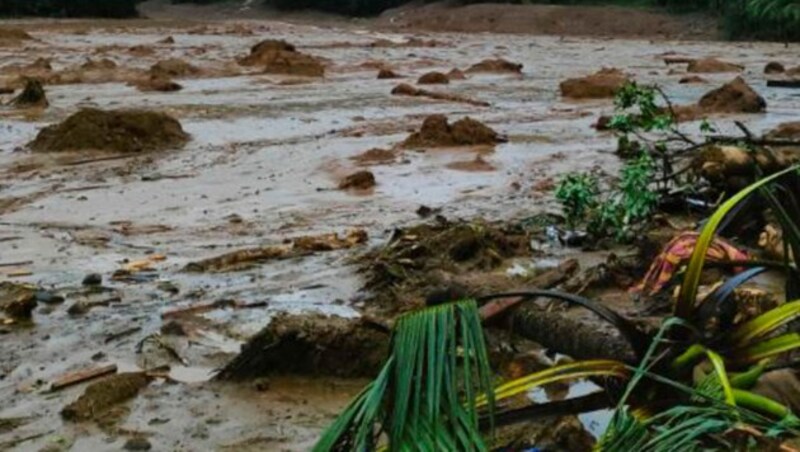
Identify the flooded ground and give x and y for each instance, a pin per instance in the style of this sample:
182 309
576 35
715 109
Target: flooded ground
266 155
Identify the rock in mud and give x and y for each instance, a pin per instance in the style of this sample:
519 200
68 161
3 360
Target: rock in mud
312 345
498 65
17 300
456 74
103 395
713 65
433 78
298 246
92 279
137 443
158 83
361 180
174 67
32 96
437 132
774 67
387 74
122 131
603 84
280 57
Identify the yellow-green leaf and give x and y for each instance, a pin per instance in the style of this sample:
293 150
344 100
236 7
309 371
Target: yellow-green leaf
765 323
768 348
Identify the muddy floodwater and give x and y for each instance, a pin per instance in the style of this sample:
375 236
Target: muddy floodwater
266 156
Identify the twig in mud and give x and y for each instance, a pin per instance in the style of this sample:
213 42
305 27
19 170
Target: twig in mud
157 338
121 334
16 264
17 441
81 376
101 159
86 188
10 239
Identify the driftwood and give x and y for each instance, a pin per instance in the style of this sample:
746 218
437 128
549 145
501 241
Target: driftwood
82 376
783 83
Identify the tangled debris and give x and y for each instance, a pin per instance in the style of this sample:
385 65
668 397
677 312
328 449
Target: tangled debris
123 131
437 132
602 84
433 78
300 246
312 345
435 259
405 89
103 395
32 96
712 65
498 65
280 57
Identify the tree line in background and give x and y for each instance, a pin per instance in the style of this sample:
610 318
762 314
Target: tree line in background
759 19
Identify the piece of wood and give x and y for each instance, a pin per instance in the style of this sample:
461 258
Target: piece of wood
121 334
81 376
15 264
783 83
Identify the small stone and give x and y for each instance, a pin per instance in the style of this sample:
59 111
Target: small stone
138 443
93 279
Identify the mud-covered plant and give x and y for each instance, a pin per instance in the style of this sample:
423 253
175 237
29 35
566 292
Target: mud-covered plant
577 193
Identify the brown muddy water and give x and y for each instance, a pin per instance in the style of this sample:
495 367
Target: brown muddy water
269 151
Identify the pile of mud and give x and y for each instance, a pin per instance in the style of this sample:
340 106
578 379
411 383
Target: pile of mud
375 156
13 37
158 83
496 66
433 78
32 96
602 84
437 132
735 96
311 345
280 57
436 260
712 65
122 131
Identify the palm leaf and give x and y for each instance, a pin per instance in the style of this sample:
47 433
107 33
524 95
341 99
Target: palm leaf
768 349
765 324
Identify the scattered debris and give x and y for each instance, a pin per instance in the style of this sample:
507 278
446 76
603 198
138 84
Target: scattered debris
239 260
712 65
360 180
437 132
405 89
312 344
103 395
32 96
123 131
498 65
82 376
433 78
17 300
602 84
280 57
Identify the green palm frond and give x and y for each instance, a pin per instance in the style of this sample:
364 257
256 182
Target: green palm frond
438 361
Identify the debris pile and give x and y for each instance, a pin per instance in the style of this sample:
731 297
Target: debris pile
32 96
735 96
360 180
712 65
602 84
123 131
433 78
173 67
498 65
280 57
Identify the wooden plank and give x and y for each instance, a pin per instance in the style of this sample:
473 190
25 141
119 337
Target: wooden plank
81 376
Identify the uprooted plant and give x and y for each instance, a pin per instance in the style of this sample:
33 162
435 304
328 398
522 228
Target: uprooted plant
689 389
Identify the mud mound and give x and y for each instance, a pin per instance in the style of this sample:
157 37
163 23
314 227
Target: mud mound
311 345
280 57
785 131
142 51
159 83
411 42
456 74
497 66
167 40
733 97
361 180
13 36
17 300
433 78
99 65
100 397
603 84
173 67
773 67
476 165
385 74
375 156
436 132
420 261
112 131
33 96
404 89
713 65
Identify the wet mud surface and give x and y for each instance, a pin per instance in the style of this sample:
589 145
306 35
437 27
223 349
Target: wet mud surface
262 169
